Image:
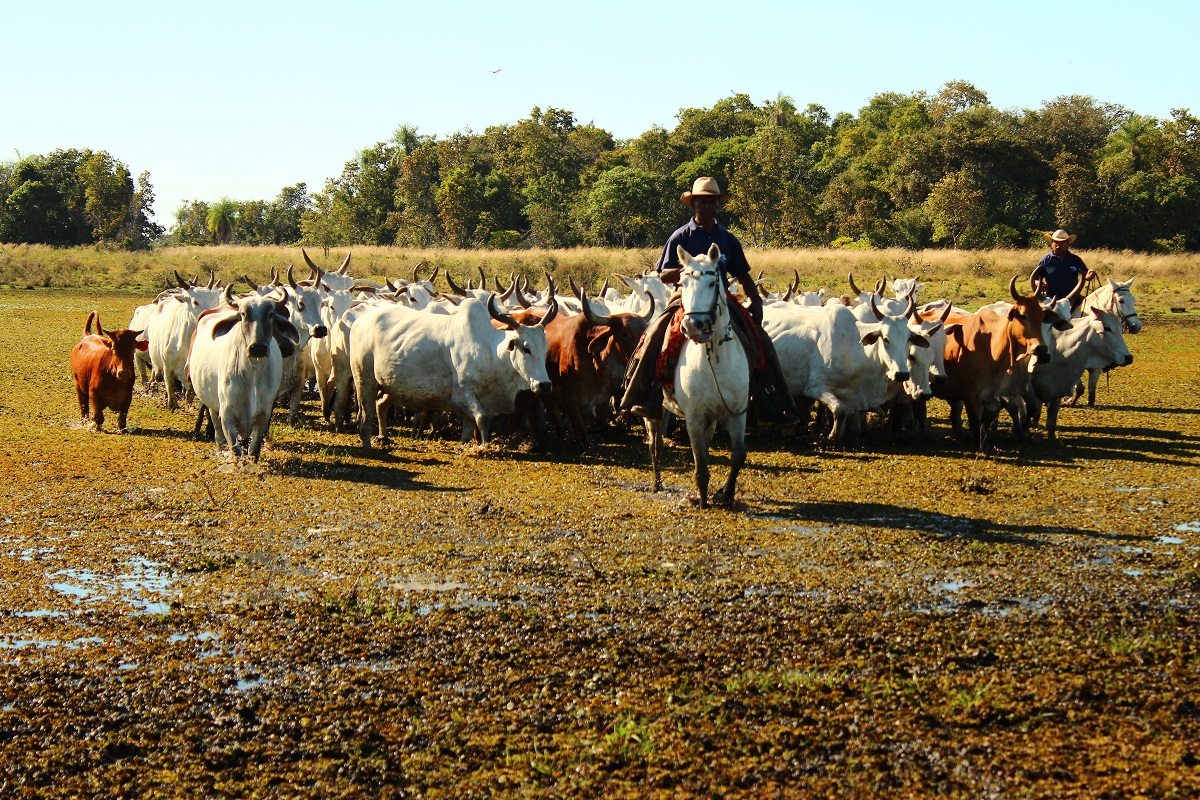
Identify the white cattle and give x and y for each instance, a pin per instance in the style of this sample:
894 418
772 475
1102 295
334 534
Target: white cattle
1093 341
829 356
169 332
460 363
235 364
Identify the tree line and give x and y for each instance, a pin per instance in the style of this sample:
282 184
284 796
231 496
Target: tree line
911 170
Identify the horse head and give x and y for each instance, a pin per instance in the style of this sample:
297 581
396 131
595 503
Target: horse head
702 285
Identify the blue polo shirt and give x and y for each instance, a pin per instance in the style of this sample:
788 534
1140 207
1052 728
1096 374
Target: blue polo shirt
695 240
1062 273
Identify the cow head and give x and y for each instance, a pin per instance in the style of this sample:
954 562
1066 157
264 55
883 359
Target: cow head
887 341
926 354
1112 344
122 345
259 320
525 346
1025 320
613 336
304 308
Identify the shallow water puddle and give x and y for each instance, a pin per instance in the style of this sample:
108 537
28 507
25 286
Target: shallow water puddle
143 586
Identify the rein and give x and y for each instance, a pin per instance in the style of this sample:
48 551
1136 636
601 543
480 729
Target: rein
710 346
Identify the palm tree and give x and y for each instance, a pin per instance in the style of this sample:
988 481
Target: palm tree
222 216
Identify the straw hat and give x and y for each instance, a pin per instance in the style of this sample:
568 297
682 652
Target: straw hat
1060 236
703 187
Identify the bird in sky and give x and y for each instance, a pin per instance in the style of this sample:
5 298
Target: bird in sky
494 71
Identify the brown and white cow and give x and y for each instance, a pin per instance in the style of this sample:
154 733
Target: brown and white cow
104 370
985 354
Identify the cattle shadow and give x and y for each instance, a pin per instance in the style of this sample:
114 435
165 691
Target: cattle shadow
931 524
386 475
1146 409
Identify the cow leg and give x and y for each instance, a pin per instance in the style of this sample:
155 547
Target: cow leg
1093 380
123 414
1052 419
366 389
382 403
97 411
85 406
228 427
1076 393
200 413
956 426
920 417
258 432
736 428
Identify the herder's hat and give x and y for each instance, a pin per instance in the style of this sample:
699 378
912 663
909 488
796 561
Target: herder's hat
703 187
1060 236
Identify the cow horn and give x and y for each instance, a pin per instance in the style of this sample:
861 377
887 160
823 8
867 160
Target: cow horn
228 296
433 275
506 293
788 294
182 283
387 284
571 283
458 290
796 278
552 309
309 261
496 315
291 279
875 308
879 287
1012 289
853 287
212 278
604 288
522 301
275 277
345 265
1078 288
649 315
588 311
911 311
482 279
417 271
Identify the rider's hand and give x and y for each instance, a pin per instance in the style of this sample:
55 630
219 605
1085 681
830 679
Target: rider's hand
1090 275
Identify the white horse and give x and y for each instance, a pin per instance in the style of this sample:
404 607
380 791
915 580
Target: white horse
1115 298
712 375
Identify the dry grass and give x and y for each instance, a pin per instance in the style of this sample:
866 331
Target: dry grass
427 622
968 278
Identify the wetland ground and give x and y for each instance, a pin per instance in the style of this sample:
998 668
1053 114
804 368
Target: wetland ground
905 620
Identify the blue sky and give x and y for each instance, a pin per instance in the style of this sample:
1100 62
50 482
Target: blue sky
240 99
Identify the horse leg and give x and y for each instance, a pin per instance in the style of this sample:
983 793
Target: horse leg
700 433
736 427
654 438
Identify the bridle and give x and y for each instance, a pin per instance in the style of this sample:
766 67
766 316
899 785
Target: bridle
711 313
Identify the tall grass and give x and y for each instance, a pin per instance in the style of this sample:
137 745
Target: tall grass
966 277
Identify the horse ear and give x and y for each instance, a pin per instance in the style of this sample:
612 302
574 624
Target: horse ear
682 255
714 253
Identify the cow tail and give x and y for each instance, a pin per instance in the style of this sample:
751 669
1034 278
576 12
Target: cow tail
87 328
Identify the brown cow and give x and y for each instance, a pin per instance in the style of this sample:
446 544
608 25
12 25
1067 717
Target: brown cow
102 364
586 359
985 351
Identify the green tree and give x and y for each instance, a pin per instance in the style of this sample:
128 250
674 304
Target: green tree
626 206
221 220
956 207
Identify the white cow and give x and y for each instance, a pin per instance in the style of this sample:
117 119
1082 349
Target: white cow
235 364
460 363
829 356
1093 341
169 332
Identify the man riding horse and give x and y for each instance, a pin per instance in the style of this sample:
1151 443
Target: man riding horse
771 403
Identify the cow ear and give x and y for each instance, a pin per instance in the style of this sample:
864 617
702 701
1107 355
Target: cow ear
225 325
918 340
1015 313
512 344
1061 325
284 329
143 345
871 338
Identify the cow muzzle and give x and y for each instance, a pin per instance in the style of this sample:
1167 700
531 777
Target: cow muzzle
898 376
541 387
320 332
257 350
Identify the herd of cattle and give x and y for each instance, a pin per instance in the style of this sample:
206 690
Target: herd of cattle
487 357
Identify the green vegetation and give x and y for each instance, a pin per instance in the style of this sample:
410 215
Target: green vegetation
910 171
